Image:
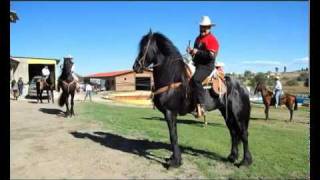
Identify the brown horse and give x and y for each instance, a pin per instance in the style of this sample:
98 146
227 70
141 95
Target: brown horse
47 85
269 100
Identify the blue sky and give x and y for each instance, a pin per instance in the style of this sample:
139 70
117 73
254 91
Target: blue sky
104 36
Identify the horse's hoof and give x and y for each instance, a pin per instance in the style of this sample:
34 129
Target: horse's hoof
172 163
245 162
232 158
168 159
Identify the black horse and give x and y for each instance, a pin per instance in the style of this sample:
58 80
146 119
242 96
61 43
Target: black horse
68 85
169 73
45 85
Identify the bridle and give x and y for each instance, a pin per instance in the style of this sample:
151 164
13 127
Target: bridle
143 58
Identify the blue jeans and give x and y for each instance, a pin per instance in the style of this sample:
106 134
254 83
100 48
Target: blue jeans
277 95
88 93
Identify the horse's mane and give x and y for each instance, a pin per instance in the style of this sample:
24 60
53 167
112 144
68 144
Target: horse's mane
66 70
262 84
174 61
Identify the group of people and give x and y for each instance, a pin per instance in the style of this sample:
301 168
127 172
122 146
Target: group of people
17 87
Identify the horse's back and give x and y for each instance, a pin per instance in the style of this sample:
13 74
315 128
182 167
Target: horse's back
237 93
235 84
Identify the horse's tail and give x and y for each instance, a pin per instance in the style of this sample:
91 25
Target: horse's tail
62 99
295 103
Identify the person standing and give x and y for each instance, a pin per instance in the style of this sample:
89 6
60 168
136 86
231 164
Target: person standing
20 86
14 87
88 92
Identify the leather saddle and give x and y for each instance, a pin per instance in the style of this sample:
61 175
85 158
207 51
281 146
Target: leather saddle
217 83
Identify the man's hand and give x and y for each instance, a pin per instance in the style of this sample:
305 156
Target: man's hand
191 51
194 51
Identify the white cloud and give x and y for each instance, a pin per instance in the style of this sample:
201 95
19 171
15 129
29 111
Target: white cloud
304 60
262 63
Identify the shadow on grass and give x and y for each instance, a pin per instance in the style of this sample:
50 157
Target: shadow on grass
141 147
185 121
263 119
57 112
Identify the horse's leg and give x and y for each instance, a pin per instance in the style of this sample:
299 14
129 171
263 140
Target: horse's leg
48 95
242 117
72 104
38 95
289 106
247 159
266 111
41 91
52 96
175 159
233 156
67 105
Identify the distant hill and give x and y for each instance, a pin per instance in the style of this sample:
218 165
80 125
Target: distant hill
296 89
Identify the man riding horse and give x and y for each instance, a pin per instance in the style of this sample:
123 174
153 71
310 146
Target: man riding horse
204 54
45 74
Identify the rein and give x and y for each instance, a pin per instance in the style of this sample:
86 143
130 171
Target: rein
167 88
171 85
143 58
68 84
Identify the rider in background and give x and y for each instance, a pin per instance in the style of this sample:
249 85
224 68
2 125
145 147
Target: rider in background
277 91
45 72
204 54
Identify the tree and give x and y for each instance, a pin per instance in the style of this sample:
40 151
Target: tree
247 74
277 69
13 17
284 69
259 77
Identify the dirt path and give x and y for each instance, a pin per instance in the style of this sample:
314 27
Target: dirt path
41 146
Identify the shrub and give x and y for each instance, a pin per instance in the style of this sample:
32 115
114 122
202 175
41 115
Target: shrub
292 82
302 77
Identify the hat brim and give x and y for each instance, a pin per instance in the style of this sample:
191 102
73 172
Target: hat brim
211 25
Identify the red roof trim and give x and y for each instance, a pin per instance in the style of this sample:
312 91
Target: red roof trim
110 74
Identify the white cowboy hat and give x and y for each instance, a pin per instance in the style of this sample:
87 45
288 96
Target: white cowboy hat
277 77
219 64
205 21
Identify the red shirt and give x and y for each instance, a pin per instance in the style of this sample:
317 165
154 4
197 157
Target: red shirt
207 42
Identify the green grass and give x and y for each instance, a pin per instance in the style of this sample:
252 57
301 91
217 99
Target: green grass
279 148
